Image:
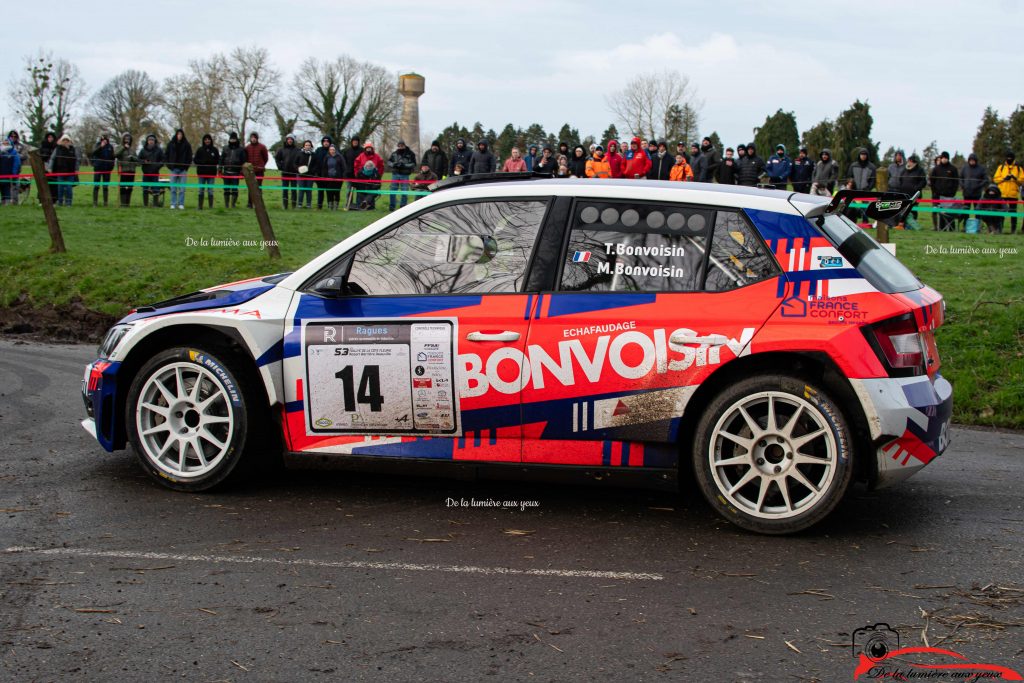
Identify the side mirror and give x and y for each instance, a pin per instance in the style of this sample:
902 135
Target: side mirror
335 284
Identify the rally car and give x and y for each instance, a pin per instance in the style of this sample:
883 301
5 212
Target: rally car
756 336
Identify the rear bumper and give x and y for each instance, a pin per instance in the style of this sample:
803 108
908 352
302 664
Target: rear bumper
909 423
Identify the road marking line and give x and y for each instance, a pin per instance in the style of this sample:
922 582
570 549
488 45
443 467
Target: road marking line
386 566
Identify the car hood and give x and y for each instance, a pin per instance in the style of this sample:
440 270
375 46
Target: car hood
229 294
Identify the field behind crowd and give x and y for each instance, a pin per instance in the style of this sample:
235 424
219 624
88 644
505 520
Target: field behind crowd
118 258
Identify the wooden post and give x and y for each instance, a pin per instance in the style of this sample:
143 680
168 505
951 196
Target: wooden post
256 195
882 232
46 199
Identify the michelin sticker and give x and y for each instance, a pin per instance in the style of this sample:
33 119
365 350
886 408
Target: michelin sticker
387 376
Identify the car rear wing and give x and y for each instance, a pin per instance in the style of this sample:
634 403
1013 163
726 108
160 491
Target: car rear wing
882 206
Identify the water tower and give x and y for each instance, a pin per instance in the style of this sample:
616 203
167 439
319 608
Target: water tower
411 85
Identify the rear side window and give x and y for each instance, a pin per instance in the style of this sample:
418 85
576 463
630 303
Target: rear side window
872 261
633 247
738 255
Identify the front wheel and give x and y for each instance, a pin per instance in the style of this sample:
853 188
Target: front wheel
189 412
773 454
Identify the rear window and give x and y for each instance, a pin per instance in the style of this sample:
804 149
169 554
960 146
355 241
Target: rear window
871 260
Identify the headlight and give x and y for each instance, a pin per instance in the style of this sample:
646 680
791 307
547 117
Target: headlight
114 336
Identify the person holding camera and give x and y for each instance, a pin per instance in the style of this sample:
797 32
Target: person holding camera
1009 176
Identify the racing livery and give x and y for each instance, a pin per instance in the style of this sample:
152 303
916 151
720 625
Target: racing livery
755 336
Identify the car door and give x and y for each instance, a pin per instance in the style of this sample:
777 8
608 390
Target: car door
423 354
643 312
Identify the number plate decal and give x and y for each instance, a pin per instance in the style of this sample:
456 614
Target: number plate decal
381 377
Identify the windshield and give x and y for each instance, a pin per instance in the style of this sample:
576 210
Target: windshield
871 260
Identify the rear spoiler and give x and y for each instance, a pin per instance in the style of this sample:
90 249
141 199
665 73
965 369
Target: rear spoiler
882 206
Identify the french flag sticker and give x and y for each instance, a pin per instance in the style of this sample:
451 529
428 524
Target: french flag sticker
581 257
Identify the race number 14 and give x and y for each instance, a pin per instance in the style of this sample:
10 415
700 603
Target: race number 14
368 391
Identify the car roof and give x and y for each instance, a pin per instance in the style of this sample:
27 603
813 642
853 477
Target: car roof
709 194
733 196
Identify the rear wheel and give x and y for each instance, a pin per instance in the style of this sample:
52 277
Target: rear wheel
773 454
189 412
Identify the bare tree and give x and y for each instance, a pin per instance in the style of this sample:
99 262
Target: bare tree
330 94
46 94
251 82
381 107
197 101
657 105
128 103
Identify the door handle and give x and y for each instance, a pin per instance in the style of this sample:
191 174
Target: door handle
505 336
710 340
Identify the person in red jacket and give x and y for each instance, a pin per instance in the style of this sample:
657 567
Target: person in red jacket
256 154
614 159
637 162
515 163
371 156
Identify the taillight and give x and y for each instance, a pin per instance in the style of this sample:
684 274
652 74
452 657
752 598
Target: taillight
899 344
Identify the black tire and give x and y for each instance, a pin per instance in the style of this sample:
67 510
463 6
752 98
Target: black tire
774 458
235 396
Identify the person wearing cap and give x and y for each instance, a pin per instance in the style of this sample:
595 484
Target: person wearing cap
425 177
515 163
151 156
945 181
750 167
741 151
1009 176
801 171
402 163
460 155
287 160
368 169
661 163
305 175
102 160
778 167
598 165
436 159
232 156
64 166
127 162
178 156
710 160
256 153
206 159
681 149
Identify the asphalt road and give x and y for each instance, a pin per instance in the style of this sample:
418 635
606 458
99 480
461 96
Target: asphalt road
358 576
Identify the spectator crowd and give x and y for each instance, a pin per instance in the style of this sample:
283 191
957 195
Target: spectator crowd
329 166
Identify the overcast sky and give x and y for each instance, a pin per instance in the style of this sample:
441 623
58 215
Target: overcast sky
928 69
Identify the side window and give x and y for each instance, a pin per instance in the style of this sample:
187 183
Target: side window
481 247
627 247
738 255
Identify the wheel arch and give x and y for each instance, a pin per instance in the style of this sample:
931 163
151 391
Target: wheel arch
813 366
190 334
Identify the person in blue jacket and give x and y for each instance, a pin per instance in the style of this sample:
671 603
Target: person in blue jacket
10 165
778 167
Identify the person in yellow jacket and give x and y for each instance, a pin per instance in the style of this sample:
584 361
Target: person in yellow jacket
598 166
681 171
1010 177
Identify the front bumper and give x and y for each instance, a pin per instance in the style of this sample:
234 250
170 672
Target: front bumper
100 395
909 423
